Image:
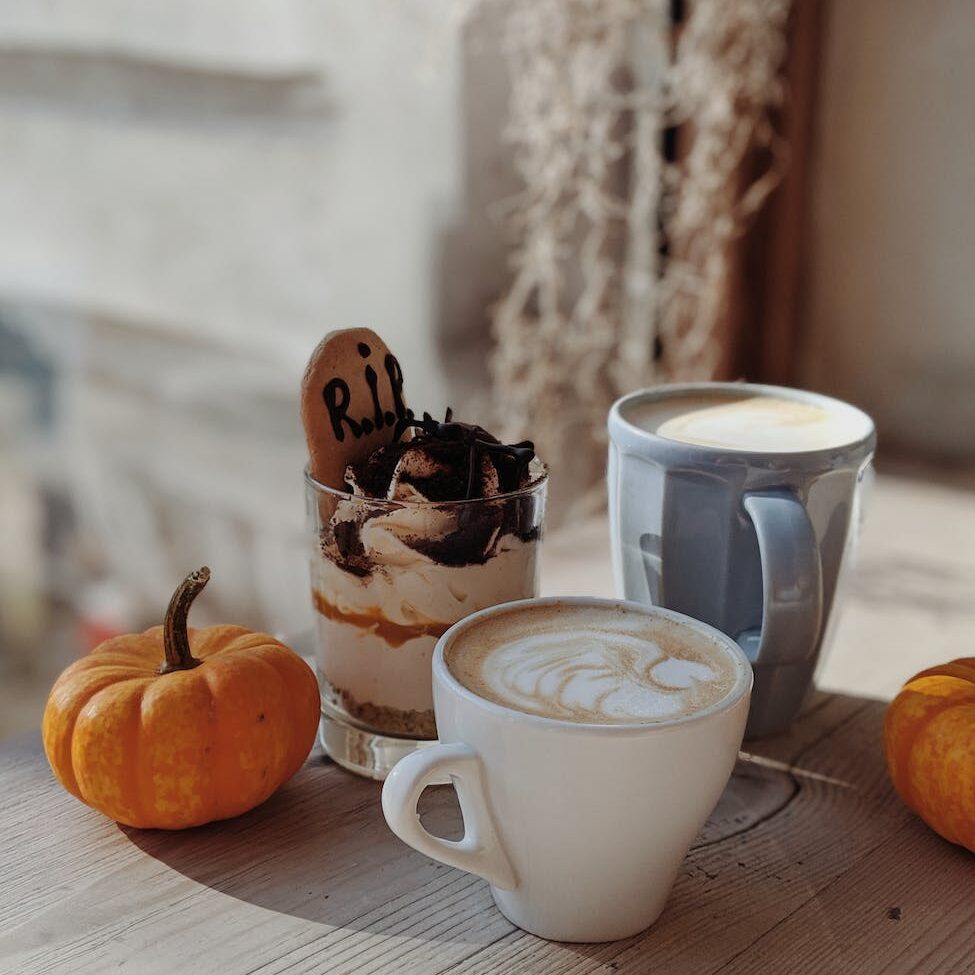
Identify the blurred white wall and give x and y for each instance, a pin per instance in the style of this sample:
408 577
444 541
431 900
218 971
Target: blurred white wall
191 196
890 295
249 181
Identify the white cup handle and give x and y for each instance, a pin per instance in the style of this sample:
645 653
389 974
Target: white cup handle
480 851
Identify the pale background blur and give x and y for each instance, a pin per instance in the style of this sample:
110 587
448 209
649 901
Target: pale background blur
191 195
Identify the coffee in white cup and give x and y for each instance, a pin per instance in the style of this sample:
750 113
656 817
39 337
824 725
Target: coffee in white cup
582 781
573 663
748 422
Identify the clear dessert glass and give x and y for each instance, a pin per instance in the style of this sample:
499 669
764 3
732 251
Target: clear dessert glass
388 578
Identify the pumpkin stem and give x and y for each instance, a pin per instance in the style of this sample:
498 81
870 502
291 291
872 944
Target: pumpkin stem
176 641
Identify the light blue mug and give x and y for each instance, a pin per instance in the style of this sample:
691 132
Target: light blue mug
737 505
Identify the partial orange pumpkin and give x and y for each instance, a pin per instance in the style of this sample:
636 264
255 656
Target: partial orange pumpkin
177 727
929 734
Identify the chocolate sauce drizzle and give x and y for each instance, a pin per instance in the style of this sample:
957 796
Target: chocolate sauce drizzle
478 442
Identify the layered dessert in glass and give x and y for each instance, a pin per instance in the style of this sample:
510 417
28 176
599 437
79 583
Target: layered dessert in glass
441 522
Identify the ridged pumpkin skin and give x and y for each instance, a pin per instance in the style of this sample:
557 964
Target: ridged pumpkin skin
178 749
929 735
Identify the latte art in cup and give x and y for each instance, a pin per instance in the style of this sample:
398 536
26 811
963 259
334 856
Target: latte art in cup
606 666
578 824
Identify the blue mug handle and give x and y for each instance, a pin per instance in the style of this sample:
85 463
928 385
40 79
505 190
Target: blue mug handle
782 651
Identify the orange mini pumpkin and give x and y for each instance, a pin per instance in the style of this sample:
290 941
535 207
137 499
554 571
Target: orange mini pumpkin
227 718
929 734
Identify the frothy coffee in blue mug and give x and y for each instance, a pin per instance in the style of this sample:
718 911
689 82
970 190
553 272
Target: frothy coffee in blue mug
736 504
748 422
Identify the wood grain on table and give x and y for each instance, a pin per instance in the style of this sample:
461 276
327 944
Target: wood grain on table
809 864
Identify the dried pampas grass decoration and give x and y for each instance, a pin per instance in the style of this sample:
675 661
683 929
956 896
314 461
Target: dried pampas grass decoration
593 308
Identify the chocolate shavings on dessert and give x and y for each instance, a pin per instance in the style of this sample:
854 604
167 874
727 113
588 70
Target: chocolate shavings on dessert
469 444
442 462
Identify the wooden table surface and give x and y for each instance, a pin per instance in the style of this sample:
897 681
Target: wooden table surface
809 863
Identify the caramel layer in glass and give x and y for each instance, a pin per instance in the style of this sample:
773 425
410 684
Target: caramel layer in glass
395 634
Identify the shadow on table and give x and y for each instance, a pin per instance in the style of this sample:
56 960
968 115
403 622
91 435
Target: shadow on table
320 850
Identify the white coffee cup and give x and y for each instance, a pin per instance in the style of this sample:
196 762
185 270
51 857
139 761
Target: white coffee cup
579 828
